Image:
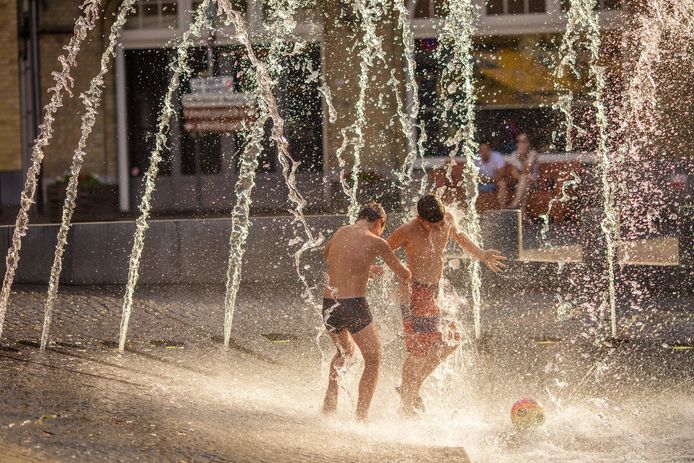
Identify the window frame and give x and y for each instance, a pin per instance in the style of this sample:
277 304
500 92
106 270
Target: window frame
165 36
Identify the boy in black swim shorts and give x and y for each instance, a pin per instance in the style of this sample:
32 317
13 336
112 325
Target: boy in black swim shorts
349 256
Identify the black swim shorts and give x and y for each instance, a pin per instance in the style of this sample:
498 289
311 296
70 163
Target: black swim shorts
351 314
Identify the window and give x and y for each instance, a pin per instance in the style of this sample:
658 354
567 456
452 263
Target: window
515 89
203 151
599 5
154 14
501 7
536 6
146 83
238 5
428 9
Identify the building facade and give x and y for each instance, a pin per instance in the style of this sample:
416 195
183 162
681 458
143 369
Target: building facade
515 42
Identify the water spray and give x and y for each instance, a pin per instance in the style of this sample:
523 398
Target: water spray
582 18
180 70
289 165
249 159
63 83
457 33
91 100
369 11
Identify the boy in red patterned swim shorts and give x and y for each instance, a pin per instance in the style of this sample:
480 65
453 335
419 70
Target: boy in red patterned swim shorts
429 340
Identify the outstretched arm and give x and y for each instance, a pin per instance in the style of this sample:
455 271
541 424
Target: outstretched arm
397 239
490 257
391 260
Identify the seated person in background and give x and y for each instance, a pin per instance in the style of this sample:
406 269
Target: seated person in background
520 174
489 164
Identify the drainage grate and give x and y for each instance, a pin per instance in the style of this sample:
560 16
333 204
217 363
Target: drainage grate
70 345
280 337
29 343
679 347
167 343
546 341
8 348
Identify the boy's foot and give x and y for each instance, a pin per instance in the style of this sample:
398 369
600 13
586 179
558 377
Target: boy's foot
418 404
329 405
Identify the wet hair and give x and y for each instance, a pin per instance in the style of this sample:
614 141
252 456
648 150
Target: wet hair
371 212
430 208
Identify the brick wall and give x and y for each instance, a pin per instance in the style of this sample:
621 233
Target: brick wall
10 128
56 26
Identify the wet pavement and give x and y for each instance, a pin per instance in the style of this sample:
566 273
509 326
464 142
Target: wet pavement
178 395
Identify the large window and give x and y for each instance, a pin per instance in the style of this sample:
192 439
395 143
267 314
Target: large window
154 14
428 9
501 7
146 82
202 149
515 91
599 5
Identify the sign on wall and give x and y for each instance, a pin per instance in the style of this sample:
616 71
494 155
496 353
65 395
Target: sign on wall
213 106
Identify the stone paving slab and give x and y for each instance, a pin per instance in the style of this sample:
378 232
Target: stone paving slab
177 395
11 453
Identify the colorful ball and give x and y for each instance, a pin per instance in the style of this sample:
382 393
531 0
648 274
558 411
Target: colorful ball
527 413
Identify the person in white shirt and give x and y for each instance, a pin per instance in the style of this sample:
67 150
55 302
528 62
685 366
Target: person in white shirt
522 172
490 165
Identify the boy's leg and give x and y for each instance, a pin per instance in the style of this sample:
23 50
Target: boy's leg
504 182
345 350
417 369
439 353
412 371
369 344
521 191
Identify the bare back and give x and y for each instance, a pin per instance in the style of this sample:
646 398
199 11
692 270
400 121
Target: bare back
349 256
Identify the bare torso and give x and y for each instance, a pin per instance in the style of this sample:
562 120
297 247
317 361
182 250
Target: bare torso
349 256
424 250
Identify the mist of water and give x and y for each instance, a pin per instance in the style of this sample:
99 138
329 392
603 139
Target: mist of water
658 36
180 69
265 93
240 218
282 24
458 78
583 30
91 100
369 12
63 83
661 37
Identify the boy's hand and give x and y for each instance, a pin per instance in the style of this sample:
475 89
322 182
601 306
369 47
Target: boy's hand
375 271
493 260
